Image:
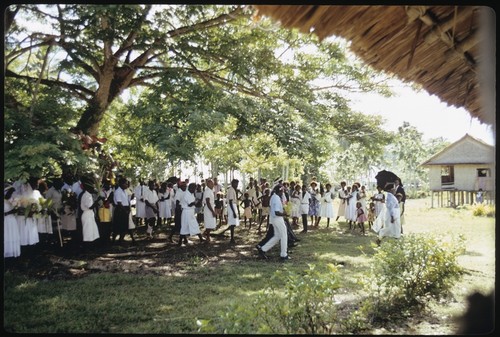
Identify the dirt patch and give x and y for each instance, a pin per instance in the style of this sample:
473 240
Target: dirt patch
48 260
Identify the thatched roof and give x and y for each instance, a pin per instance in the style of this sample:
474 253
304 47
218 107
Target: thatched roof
437 47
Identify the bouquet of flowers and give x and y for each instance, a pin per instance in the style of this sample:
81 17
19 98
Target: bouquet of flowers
45 204
33 209
20 204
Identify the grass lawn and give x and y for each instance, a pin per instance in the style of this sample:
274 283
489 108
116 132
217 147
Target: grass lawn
169 298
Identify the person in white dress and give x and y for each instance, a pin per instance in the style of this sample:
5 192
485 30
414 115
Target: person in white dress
388 222
171 192
379 200
326 210
33 195
164 203
189 224
90 231
150 198
342 200
19 201
131 223
11 238
179 200
362 196
305 199
295 197
252 194
140 205
44 218
350 211
209 215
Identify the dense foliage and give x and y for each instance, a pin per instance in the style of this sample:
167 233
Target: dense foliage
408 273
161 82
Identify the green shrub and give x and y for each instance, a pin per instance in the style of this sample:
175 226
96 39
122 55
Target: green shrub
292 304
407 273
355 323
484 210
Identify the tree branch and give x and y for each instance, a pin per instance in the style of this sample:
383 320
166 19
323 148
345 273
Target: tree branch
220 20
91 70
94 72
15 53
127 43
78 90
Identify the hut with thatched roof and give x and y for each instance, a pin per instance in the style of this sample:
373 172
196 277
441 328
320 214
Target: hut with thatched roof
458 171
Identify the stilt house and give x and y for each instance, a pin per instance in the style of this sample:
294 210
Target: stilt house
458 171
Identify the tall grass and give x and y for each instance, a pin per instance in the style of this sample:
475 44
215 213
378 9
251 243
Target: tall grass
106 302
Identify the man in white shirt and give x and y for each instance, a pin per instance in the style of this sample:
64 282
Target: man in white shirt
276 219
179 197
209 216
151 206
121 211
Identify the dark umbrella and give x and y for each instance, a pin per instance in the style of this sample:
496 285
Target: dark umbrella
172 180
384 177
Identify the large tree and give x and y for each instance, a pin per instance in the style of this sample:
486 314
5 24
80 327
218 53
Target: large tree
104 50
199 64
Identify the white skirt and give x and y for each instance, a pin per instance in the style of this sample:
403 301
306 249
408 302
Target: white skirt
209 220
11 238
89 226
189 224
326 210
384 227
32 237
165 209
295 213
231 220
140 209
44 224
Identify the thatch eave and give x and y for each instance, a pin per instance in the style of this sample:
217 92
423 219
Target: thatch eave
440 48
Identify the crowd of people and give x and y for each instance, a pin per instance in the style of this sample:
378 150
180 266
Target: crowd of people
105 212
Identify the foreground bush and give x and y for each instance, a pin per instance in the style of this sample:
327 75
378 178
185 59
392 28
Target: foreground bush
292 304
483 210
407 273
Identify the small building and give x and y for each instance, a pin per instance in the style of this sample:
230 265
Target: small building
458 171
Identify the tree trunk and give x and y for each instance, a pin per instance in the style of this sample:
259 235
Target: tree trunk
91 118
112 82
